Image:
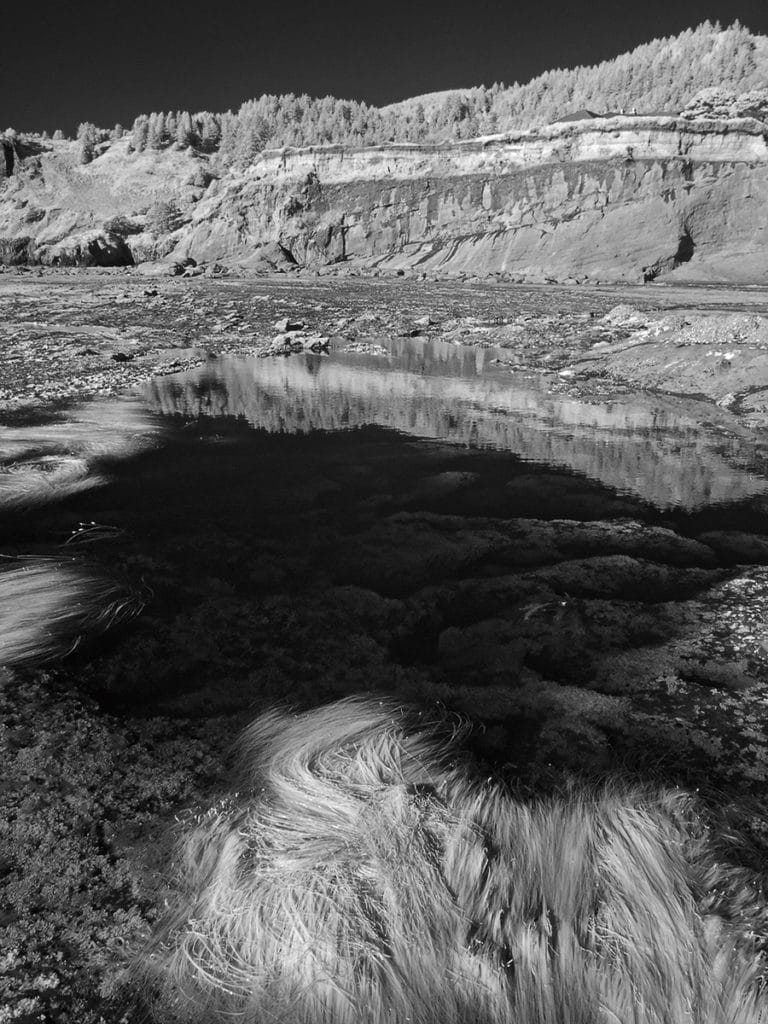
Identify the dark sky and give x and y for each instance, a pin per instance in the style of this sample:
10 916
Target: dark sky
66 61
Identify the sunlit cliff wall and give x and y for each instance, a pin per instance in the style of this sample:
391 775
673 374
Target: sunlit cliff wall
621 198
608 199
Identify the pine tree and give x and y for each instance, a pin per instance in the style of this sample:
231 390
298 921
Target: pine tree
252 137
185 133
156 130
86 137
230 125
209 130
171 124
663 74
140 133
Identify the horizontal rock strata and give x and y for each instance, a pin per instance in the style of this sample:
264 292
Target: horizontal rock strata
619 199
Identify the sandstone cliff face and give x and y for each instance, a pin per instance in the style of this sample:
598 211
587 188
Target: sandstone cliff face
625 200
617 199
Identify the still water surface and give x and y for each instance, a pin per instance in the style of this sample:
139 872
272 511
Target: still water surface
668 453
313 526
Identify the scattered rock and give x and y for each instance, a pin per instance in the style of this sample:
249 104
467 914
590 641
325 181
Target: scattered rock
285 344
286 324
623 315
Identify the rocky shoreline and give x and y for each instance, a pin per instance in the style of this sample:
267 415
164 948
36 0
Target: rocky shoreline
103 332
637 644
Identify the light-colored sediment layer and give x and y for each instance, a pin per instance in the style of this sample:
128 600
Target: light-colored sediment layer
641 138
628 199
616 199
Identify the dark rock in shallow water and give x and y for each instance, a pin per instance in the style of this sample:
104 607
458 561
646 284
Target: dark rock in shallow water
735 546
440 485
409 550
621 576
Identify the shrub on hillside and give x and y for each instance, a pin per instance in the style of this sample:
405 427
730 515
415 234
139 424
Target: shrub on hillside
163 217
725 103
122 226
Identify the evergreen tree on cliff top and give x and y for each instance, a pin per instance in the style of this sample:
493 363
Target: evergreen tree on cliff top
86 137
662 76
140 133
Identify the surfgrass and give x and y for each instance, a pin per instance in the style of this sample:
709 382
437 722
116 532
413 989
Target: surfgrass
359 874
40 481
49 605
43 463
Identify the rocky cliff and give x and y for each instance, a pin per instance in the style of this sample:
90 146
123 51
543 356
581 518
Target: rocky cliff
609 199
56 211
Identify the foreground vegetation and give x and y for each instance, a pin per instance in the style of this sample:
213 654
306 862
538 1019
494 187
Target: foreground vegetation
359 876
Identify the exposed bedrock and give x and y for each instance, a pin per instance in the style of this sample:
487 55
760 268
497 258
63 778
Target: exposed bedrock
629 199
56 211
616 205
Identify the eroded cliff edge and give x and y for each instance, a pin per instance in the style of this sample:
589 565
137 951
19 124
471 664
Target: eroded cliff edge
616 199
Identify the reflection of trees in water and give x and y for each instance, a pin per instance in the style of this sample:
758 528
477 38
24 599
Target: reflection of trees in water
647 449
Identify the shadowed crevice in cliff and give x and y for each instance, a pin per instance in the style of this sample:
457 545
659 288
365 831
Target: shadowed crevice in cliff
685 250
684 254
110 252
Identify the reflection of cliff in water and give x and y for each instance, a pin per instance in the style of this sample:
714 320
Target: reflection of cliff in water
640 445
